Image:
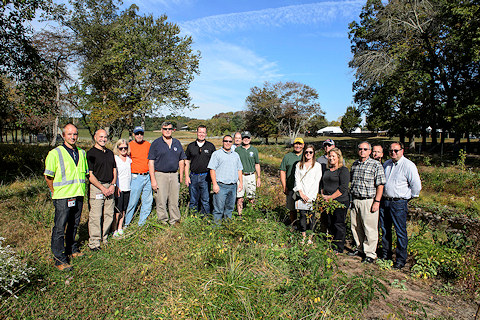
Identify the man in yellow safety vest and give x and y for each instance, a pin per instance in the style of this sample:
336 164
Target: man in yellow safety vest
66 169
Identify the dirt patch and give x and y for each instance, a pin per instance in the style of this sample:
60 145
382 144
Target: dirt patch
408 298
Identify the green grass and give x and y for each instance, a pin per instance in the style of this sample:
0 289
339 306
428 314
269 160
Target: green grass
247 269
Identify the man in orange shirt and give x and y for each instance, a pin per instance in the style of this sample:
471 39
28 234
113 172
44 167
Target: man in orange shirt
140 178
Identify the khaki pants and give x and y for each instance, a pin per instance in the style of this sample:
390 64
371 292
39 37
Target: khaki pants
168 190
99 208
365 226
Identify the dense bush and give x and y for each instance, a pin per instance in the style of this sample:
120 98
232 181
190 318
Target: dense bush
12 270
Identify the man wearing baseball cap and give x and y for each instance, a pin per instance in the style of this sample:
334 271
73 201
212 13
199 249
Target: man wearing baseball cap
140 184
287 175
328 145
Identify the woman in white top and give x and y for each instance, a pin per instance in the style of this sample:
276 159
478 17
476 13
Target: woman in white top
308 174
124 177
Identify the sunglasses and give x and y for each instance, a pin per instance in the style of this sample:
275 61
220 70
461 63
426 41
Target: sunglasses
139 134
308 152
228 141
122 148
167 129
394 150
364 149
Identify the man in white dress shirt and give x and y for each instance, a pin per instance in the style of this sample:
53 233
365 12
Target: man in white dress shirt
403 183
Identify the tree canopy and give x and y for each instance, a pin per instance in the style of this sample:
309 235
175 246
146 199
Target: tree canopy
281 108
351 119
417 64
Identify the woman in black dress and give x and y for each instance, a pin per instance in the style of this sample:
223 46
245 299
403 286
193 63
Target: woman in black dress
335 187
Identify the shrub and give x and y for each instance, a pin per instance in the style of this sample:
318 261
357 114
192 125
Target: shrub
12 270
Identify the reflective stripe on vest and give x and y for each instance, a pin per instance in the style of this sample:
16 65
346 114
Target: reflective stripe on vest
64 181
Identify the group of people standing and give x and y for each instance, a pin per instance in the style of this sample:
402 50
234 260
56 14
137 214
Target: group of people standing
376 194
137 169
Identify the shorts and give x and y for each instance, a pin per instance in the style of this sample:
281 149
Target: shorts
121 203
249 187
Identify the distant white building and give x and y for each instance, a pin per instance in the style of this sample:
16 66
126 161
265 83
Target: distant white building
330 130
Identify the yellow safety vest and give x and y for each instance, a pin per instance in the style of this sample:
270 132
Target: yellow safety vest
68 178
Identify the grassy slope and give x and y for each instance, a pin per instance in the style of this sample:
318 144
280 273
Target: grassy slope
251 268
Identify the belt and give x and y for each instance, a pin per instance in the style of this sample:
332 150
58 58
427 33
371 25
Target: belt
141 174
166 171
198 174
248 173
394 199
362 198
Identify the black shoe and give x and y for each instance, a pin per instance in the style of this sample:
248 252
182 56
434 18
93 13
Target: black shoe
96 249
385 257
398 266
336 251
356 253
368 260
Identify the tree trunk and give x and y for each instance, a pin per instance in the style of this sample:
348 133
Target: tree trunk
411 143
143 121
434 136
55 130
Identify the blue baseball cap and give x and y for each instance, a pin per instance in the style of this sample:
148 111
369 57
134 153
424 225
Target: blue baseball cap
138 129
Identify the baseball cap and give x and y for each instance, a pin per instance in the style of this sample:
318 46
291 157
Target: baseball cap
298 140
138 129
246 134
329 142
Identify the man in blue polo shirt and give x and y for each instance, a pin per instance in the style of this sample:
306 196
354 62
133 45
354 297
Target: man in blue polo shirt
165 157
226 173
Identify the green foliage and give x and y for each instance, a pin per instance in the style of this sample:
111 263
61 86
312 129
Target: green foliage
397 284
433 252
462 155
329 206
18 160
351 119
384 264
131 65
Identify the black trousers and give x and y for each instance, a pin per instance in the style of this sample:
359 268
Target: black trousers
336 226
306 224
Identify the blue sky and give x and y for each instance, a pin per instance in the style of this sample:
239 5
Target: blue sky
245 43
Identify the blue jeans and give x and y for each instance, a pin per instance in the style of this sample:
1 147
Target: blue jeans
63 241
140 185
394 212
200 192
224 201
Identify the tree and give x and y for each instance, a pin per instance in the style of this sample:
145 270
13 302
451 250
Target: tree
421 59
351 119
281 108
316 123
54 47
129 65
263 107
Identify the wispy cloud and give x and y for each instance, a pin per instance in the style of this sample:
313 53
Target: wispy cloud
306 14
226 61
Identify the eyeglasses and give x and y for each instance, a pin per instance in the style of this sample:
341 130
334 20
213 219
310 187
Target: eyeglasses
308 152
139 133
122 148
167 129
364 149
394 150
228 141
